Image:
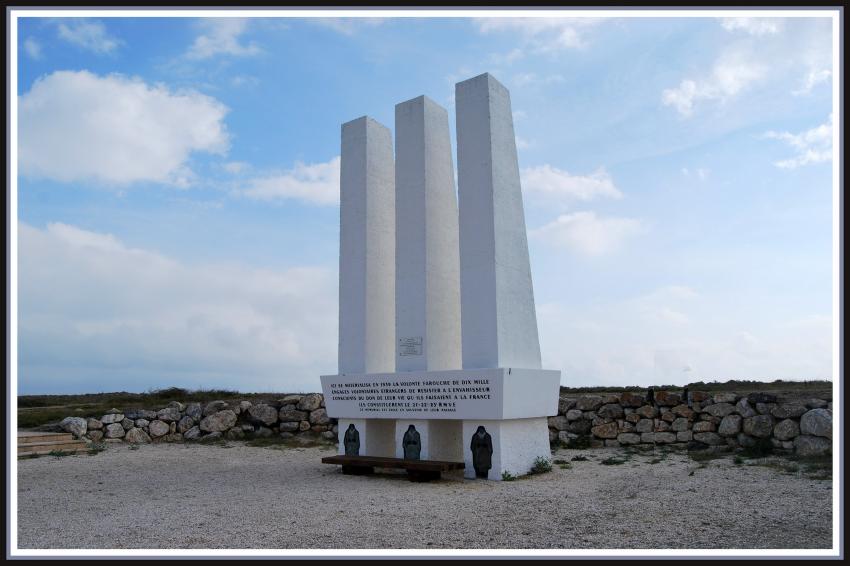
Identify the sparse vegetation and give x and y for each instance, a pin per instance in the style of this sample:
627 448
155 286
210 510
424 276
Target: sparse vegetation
741 386
612 461
59 453
96 448
507 476
579 458
706 455
541 465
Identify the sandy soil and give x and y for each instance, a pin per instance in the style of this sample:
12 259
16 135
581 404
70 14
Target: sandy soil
197 496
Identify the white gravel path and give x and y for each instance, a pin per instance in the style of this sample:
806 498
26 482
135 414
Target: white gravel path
197 496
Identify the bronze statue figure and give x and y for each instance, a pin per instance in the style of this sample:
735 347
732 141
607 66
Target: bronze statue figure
351 441
411 444
482 451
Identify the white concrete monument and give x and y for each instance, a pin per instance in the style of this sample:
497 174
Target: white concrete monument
439 356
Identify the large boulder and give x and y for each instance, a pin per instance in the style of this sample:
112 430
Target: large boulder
158 428
817 422
263 414
581 426
194 411
627 438
94 424
565 404
185 424
730 425
647 411
644 425
244 406
177 405
683 411
816 404
760 426
128 423
218 421
806 445
293 427
719 410
75 425
112 418
558 423
193 433
137 436
290 399
310 402
788 410
786 430
665 437
589 403
96 435
610 411
704 426
633 400
169 414
235 433
684 436
608 430
710 438
679 425
744 409
142 423
573 414
289 413
215 406
667 398
114 430
319 417
755 398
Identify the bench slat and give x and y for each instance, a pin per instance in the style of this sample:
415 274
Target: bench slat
384 462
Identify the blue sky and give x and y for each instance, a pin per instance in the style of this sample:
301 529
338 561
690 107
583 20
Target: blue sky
178 191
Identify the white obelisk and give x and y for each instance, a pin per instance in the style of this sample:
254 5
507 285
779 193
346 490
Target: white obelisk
428 332
367 266
497 299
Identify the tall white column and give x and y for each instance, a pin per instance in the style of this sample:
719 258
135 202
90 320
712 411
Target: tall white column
366 249
498 316
428 333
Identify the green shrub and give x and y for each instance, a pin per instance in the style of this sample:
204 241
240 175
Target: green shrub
541 465
507 476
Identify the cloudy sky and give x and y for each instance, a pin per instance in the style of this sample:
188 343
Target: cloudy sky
178 191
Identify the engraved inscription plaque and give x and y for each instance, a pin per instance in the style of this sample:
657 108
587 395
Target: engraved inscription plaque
411 346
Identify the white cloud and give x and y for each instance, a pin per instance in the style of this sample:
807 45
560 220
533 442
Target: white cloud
125 317
767 53
753 26
813 78
700 173
32 48
221 36
542 34
732 73
813 146
551 183
115 130
348 26
88 34
587 234
316 183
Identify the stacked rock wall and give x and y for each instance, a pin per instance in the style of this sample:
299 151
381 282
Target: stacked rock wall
702 420
293 415
724 420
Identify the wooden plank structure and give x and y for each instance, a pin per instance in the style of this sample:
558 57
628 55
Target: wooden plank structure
417 470
38 443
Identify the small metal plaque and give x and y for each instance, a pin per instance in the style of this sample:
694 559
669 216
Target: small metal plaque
410 346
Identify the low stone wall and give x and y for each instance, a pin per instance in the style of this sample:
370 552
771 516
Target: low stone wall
302 416
703 420
722 420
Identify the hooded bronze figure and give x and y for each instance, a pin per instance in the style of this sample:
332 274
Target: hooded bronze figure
351 441
482 452
411 444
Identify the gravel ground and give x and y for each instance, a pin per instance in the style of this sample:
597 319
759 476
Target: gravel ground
237 496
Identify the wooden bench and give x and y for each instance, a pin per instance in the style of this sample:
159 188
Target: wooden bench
417 470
